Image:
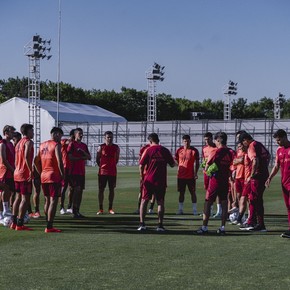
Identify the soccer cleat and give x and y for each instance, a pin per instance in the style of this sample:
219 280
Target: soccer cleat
141 228
100 212
7 213
160 229
286 234
78 215
31 214
23 228
179 212
258 228
201 231
69 210
52 230
111 211
13 226
36 215
150 211
62 211
246 227
221 231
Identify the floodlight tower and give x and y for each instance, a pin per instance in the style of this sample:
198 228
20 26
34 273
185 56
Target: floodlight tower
229 89
153 74
35 49
277 108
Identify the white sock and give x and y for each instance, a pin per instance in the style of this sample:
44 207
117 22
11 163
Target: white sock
194 208
180 206
1 215
219 208
5 206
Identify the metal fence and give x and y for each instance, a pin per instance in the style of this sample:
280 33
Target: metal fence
131 136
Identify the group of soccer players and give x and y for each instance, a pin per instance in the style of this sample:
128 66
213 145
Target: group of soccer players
232 179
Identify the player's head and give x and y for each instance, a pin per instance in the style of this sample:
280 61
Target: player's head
221 138
245 138
207 137
78 134
56 133
281 137
27 130
72 134
8 131
238 133
16 137
186 140
108 136
153 138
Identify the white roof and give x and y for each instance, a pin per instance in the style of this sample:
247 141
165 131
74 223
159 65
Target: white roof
79 113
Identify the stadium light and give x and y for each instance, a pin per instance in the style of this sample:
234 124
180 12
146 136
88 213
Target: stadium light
35 49
230 89
277 106
153 74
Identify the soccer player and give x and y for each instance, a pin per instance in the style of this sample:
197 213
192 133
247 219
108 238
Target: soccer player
155 160
282 161
7 166
187 158
259 157
50 168
78 153
67 182
23 177
107 159
143 148
219 182
208 150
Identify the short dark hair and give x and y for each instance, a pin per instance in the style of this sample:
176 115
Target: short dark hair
280 133
208 135
153 137
78 130
25 128
240 132
222 136
72 132
185 137
108 133
8 128
245 136
56 130
17 135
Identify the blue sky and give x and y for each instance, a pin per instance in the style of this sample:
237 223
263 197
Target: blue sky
107 44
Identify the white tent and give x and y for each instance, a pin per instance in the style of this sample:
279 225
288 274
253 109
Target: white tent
15 112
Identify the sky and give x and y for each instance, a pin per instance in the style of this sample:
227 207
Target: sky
108 44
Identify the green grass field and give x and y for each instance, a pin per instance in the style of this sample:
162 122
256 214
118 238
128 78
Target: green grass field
107 252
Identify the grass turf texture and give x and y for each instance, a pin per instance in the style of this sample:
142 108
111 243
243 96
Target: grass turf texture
106 252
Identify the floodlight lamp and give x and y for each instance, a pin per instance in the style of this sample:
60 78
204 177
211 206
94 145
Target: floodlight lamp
35 46
155 71
35 38
161 79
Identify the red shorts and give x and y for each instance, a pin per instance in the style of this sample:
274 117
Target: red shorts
206 179
104 179
23 187
217 188
239 184
78 181
9 182
182 183
67 177
51 189
157 191
247 189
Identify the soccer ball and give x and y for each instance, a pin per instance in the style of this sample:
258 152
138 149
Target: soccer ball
234 216
7 221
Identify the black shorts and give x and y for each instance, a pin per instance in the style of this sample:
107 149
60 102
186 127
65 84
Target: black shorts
104 179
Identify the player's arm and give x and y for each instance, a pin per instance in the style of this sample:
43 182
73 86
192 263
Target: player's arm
4 157
274 171
117 155
86 154
98 157
196 163
58 156
255 164
28 156
239 160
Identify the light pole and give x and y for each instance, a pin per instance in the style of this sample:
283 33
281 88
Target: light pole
228 90
35 49
153 74
277 108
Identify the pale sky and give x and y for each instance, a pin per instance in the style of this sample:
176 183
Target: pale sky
107 44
